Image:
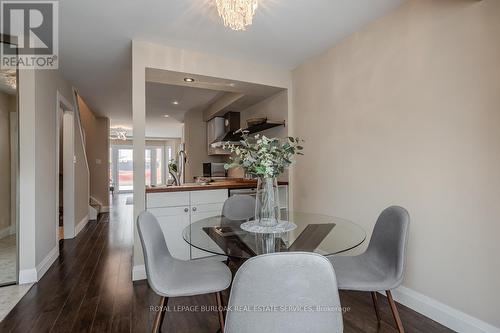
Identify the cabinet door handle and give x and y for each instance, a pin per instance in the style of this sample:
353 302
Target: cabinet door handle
194 209
186 210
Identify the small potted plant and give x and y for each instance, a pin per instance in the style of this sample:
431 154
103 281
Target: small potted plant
264 158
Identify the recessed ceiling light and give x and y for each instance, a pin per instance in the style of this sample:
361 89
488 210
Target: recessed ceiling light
175 103
166 115
232 84
188 79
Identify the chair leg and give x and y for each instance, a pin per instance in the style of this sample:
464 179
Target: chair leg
395 312
160 315
375 305
220 310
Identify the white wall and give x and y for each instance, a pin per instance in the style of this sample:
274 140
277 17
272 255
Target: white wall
407 112
148 55
27 176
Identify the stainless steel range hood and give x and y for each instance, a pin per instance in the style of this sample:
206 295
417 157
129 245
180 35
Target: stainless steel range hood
231 125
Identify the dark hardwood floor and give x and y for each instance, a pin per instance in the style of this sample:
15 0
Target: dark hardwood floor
89 289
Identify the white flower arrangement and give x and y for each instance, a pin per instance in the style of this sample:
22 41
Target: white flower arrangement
263 157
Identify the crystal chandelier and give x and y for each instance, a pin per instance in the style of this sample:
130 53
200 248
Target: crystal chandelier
9 78
118 133
237 14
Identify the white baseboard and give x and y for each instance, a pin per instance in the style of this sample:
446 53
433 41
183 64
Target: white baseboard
104 209
81 225
33 275
45 264
7 231
138 273
4 232
442 313
27 276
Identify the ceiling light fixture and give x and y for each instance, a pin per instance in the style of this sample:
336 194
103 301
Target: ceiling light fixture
175 103
166 116
9 77
188 79
237 14
118 133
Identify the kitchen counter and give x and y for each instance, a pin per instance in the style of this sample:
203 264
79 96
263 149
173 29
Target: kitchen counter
220 184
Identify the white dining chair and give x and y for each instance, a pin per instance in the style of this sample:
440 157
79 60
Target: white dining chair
292 292
170 277
239 207
381 267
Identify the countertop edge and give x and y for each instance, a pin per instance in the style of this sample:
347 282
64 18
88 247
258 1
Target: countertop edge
204 187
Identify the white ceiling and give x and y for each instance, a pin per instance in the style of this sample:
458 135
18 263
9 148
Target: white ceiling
95 46
159 102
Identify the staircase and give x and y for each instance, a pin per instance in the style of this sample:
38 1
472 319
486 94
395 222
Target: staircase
94 209
94 205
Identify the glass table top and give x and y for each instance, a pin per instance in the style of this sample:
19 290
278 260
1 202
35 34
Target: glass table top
322 234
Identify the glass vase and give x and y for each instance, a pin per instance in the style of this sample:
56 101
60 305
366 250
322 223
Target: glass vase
267 211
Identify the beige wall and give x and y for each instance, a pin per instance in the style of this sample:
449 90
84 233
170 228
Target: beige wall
97 148
46 85
38 134
407 112
7 105
195 138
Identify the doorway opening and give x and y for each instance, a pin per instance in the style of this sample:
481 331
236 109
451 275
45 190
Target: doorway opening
65 171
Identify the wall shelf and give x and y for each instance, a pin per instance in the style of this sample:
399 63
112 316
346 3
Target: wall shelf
264 126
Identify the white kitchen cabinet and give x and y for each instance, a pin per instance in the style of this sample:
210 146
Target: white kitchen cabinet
172 222
167 199
208 196
202 212
177 210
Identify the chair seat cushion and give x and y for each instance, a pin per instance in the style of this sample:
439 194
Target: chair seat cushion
195 277
362 273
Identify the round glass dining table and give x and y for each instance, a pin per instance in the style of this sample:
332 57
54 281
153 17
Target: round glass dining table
317 233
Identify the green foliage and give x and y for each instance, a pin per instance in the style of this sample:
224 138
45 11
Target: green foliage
262 156
172 166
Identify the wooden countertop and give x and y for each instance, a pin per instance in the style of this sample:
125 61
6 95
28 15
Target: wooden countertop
217 185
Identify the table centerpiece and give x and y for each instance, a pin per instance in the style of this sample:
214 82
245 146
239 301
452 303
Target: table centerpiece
264 158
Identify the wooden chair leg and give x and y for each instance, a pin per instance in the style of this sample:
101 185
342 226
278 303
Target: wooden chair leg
395 312
160 315
375 305
220 310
